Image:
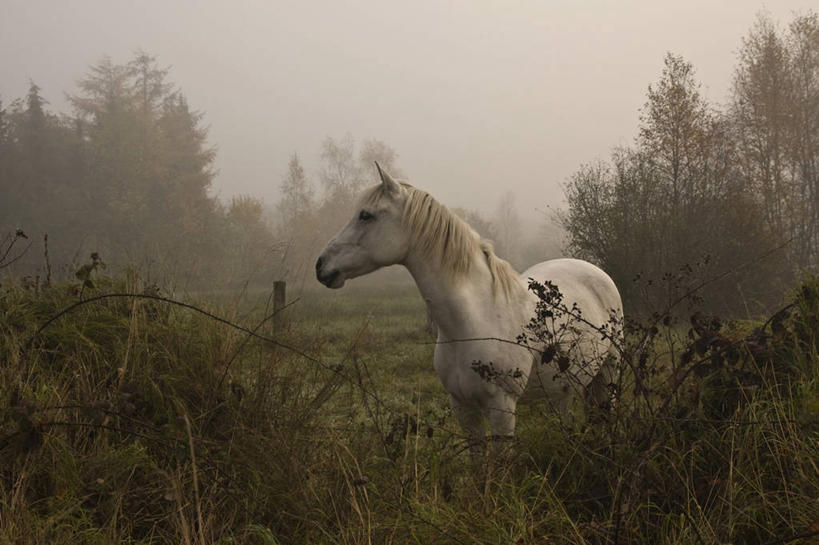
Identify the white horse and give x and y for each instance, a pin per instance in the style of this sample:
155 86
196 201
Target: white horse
478 301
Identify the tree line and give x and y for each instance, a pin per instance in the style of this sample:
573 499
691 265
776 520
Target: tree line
726 198
702 191
127 175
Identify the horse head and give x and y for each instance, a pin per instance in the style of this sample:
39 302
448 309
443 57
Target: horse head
374 237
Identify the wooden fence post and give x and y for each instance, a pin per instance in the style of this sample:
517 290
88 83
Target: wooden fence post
279 302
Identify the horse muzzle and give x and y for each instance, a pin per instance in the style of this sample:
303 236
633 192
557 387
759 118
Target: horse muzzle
332 279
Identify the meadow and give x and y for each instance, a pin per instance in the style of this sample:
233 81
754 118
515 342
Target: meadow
166 418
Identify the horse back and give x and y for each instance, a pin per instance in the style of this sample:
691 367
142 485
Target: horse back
580 283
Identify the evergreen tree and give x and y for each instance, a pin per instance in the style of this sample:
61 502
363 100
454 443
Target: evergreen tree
149 83
32 141
115 151
186 162
150 167
296 202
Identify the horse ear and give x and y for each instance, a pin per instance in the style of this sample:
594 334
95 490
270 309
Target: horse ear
392 187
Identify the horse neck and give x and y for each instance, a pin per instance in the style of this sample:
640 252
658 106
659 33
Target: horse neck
458 305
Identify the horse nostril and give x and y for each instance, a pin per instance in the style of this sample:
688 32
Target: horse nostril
319 263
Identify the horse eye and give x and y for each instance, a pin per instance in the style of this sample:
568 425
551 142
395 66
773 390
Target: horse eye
365 216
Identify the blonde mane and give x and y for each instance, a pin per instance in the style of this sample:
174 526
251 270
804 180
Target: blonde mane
438 233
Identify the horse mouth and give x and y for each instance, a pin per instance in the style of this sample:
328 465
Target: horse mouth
332 280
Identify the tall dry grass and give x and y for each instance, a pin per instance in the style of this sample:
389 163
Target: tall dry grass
137 420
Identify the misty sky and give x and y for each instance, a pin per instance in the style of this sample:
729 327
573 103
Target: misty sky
476 97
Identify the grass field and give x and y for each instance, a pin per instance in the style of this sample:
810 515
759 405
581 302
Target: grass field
136 420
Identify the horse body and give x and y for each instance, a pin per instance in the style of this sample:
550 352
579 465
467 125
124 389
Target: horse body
478 302
592 291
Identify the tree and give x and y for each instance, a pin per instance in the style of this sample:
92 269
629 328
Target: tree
115 145
375 150
803 44
32 140
185 162
149 85
251 242
296 194
344 175
507 230
761 108
5 157
298 231
149 163
775 110
38 148
26 142
340 174
670 202
128 176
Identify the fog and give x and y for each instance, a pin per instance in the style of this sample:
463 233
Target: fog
477 97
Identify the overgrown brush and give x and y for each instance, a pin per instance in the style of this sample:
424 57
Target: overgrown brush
145 420
131 419
713 436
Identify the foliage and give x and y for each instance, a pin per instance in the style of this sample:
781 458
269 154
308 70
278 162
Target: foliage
133 419
248 257
127 175
703 416
775 111
136 419
734 190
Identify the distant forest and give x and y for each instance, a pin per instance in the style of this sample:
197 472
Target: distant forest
127 176
726 198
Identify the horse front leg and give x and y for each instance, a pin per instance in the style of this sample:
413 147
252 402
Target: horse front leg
502 417
471 420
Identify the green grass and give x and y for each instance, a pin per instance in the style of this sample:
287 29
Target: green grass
137 421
